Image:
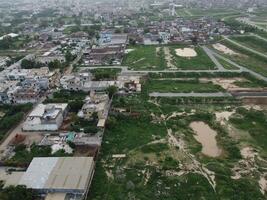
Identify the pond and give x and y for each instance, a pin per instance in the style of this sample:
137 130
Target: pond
207 137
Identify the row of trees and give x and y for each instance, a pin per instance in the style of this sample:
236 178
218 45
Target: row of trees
16 193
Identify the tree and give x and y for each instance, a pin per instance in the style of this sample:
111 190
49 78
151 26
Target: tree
160 40
111 90
17 193
111 122
68 57
76 105
132 41
54 64
194 40
118 31
30 64
6 43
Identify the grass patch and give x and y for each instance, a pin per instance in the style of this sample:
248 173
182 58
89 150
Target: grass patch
247 59
145 58
253 121
105 74
252 42
181 86
200 62
227 65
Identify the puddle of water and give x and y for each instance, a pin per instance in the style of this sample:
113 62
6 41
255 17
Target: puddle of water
207 137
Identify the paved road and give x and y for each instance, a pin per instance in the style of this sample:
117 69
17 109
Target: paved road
192 94
213 58
244 69
123 68
254 35
258 36
212 53
244 47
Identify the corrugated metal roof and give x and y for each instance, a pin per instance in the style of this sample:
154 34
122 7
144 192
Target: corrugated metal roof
38 172
63 173
70 173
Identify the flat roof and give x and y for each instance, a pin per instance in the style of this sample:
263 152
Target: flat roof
59 173
39 110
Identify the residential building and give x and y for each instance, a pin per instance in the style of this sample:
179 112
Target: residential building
45 117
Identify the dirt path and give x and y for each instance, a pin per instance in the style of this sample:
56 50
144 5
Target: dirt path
138 60
250 166
168 57
189 167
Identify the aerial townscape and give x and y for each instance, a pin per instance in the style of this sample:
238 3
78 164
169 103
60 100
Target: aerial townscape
133 100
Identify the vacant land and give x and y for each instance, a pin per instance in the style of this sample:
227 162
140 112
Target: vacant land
199 62
177 86
162 158
252 42
253 122
145 58
105 74
246 58
165 57
227 65
191 13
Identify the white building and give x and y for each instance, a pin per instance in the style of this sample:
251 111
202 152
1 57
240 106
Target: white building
57 177
47 117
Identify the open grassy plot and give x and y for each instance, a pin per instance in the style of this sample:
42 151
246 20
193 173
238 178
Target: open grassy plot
183 12
194 13
165 57
212 12
255 123
105 74
145 58
252 42
199 62
246 58
227 65
188 86
161 159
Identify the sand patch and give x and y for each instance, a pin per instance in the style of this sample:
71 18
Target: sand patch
207 137
129 50
224 49
168 57
158 50
225 83
249 166
224 116
192 165
186 52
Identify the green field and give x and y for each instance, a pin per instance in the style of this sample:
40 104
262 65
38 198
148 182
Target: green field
227 65
252 42
155 58
246 58
182 86
201 61
105 74
145 58
193 13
